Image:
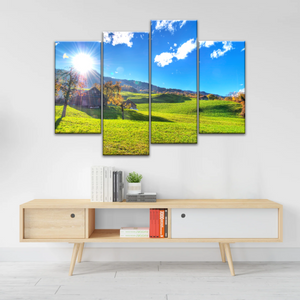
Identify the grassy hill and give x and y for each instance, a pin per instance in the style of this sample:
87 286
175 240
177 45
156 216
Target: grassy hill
173 121
220 117
77 120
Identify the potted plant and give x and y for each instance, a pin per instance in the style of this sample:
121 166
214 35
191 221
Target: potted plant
134 185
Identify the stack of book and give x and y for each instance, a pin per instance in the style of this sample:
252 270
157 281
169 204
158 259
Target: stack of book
134 232
107 184
158 223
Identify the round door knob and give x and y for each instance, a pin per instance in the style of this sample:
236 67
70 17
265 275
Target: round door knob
182 215
72 215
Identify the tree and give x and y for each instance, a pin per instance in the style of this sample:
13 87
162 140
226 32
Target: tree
211 97
71 83
57 87
111 95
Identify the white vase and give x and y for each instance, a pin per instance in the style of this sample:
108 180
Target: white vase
134 188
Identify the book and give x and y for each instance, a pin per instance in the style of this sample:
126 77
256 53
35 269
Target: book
151 223
136 232
120 187
156 223
105 184
110 185
166 223
114 186
99 186
161 223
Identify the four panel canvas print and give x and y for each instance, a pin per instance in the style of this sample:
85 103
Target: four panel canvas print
126 93
222 87
125 87
173 82
77 87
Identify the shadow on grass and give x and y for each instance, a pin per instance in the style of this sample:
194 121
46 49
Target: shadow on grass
92 112
115 113
169 98
57 122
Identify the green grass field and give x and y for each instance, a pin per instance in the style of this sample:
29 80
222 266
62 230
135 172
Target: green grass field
220 117
77 120
173 121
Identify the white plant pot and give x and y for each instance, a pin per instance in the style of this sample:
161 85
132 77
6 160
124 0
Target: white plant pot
134 188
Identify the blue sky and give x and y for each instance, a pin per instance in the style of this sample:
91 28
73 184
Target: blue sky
173 54
222 67
126 55
66 55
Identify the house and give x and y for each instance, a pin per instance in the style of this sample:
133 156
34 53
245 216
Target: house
87 98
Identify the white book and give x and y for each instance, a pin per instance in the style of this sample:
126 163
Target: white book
110 184
93 188
100 184
96 184
105 184
136 232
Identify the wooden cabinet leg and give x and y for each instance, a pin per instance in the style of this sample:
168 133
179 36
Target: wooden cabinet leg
229 258
80 251
222 252
73 259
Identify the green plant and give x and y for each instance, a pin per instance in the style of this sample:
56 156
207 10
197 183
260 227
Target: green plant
134 177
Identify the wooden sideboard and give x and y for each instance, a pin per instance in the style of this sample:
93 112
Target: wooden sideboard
222 221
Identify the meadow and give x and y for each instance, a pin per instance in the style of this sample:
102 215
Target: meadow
77 120
173 120
218 116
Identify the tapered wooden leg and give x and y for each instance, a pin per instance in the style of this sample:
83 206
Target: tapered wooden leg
80 251
229 258
73 259
222 252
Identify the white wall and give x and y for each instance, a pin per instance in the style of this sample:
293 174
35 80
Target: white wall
264 163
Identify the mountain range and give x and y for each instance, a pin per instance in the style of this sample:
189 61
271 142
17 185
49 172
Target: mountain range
94 77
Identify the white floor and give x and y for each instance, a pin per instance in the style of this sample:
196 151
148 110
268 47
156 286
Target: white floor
150 280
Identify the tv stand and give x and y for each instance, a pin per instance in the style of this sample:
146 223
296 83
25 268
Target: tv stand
221 221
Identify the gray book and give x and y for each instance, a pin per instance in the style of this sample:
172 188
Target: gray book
120 186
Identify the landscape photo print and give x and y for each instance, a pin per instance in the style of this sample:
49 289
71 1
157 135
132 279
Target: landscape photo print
126 93
173 82
222 98
77 87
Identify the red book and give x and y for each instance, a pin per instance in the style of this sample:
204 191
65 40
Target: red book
150 216
151 223
161 223
157 223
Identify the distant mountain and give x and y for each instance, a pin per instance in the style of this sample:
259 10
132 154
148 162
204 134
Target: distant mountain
94 77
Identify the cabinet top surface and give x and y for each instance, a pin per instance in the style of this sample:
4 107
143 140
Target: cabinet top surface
161 203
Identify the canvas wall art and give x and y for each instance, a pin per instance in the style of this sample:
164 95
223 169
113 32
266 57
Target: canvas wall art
222 87
173 82
126 93
77 87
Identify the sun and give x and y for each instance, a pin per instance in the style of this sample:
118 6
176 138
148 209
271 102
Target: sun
83 62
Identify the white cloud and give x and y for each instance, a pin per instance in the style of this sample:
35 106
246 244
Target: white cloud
185 49
56 43
106 37
206 44
168 25
243 49
175 45
163 59
227 46
242 84
171 48
166 58
117 38
183 23
116 72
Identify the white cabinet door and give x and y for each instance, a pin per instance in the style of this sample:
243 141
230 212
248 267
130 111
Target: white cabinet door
224 223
